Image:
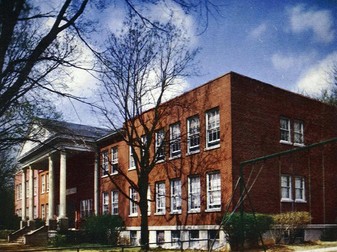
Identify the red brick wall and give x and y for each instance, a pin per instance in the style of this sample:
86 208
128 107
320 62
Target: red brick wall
256 112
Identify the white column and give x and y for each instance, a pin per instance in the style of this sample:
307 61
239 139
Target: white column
31 194
51 194
96 188
63 185
23 201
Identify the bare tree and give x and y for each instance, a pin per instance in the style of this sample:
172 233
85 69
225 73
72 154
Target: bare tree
33 46
140 66
329 95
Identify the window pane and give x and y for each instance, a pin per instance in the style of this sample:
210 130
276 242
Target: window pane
193 125
213 128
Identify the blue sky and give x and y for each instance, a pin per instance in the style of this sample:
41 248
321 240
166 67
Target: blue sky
289 44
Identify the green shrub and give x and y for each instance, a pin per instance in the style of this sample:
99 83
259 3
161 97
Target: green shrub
60 240
251 227
290 224
103 229
329 234
4 233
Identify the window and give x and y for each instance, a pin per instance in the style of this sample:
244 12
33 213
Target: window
298 132
43 212
133 237
286 188
194 239
86 208
160 198
148 200
105 209
212 128
105 163
214 191
47 209
176 196
285 130
47 182
43 183
160 237
193 134
19 192
35 212
175 148
213 239
160 145
132 164
27 189
175 238
133 202
114 202
114 160
299 189
194 194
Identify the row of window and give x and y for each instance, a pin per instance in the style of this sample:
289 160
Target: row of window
193 238
193 141
213 195
44 187
292 131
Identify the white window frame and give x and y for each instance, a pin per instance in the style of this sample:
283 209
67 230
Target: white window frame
194 196
47 182
149 200
213 191
105 163
133 238
176 238
160 237
175 140
193 134
160 145
298 133
114 160
105 203
86 208
133 205
160 198
300 189
43 184
286 188
114 202
285 130
194 242
43 212
35 186
176 196
213 128
132 163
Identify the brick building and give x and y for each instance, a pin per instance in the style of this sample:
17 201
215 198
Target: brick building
208 132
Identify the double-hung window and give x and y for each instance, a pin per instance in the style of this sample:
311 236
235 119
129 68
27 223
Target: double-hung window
299 189
133 202
114 202
175 238
86 208
105 163
213 191
286 190
298 132
114 160
160 198
132 163
47 182
105 203
160 145
175 148
43 183
194 239
176 196
212 128
193 134
194 194
285 130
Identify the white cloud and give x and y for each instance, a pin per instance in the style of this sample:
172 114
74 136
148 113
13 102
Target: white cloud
258 31
318 76
287 62
319 22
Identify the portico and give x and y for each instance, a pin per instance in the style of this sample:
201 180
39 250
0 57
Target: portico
65 165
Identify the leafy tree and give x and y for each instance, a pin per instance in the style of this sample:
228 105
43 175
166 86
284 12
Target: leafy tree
139 67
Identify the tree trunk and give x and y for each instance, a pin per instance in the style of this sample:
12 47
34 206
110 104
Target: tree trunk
144 232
